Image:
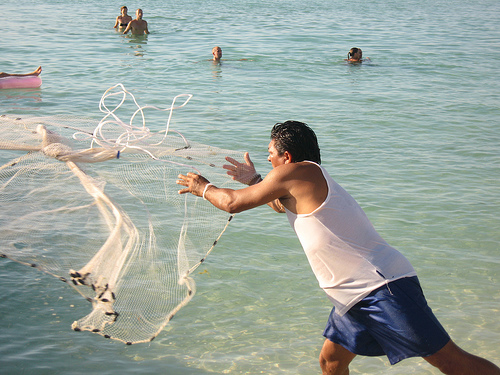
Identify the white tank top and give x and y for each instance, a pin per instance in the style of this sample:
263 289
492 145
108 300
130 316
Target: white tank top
347 255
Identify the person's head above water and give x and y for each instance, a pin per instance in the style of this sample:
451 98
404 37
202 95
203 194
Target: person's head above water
354 54
298 139
217 52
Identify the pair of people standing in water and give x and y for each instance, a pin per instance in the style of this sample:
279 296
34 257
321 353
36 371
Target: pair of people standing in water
123 22
137 26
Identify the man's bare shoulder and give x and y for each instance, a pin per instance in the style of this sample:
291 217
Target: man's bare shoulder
300 170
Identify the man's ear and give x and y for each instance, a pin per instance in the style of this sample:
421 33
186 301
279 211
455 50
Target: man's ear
288 157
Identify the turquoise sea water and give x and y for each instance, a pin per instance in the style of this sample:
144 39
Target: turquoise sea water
413 135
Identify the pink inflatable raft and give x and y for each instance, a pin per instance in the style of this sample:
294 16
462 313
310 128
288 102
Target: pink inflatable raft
20 82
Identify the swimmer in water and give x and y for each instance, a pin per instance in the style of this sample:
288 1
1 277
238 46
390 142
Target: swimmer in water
34 73
355 55
217 52
137 26
123 19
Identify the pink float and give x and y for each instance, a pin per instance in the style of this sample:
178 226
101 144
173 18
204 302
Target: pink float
20 82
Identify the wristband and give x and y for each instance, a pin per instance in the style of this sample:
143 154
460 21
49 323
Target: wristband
205 190
255 179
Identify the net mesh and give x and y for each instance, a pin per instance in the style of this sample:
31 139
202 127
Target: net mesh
97 206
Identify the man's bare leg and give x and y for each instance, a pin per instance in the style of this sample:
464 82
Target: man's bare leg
453 360
334 359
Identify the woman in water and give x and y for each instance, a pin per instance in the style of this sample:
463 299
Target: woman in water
123 19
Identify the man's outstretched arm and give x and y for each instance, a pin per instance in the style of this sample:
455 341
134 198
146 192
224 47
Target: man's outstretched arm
266 191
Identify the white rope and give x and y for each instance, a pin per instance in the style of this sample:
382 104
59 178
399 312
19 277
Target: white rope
131 135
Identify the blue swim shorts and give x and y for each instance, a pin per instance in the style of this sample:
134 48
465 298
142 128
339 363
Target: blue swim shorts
394 320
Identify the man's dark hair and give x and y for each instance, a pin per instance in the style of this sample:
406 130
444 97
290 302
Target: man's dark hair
298 139
353 51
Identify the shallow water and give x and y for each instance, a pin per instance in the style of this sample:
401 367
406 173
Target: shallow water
412 135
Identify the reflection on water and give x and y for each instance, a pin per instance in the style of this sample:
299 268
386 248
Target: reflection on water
216 69
137 43
20 99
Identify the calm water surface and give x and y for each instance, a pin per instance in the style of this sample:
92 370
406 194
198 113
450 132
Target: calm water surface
413 135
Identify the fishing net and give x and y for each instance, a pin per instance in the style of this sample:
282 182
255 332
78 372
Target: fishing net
96 205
